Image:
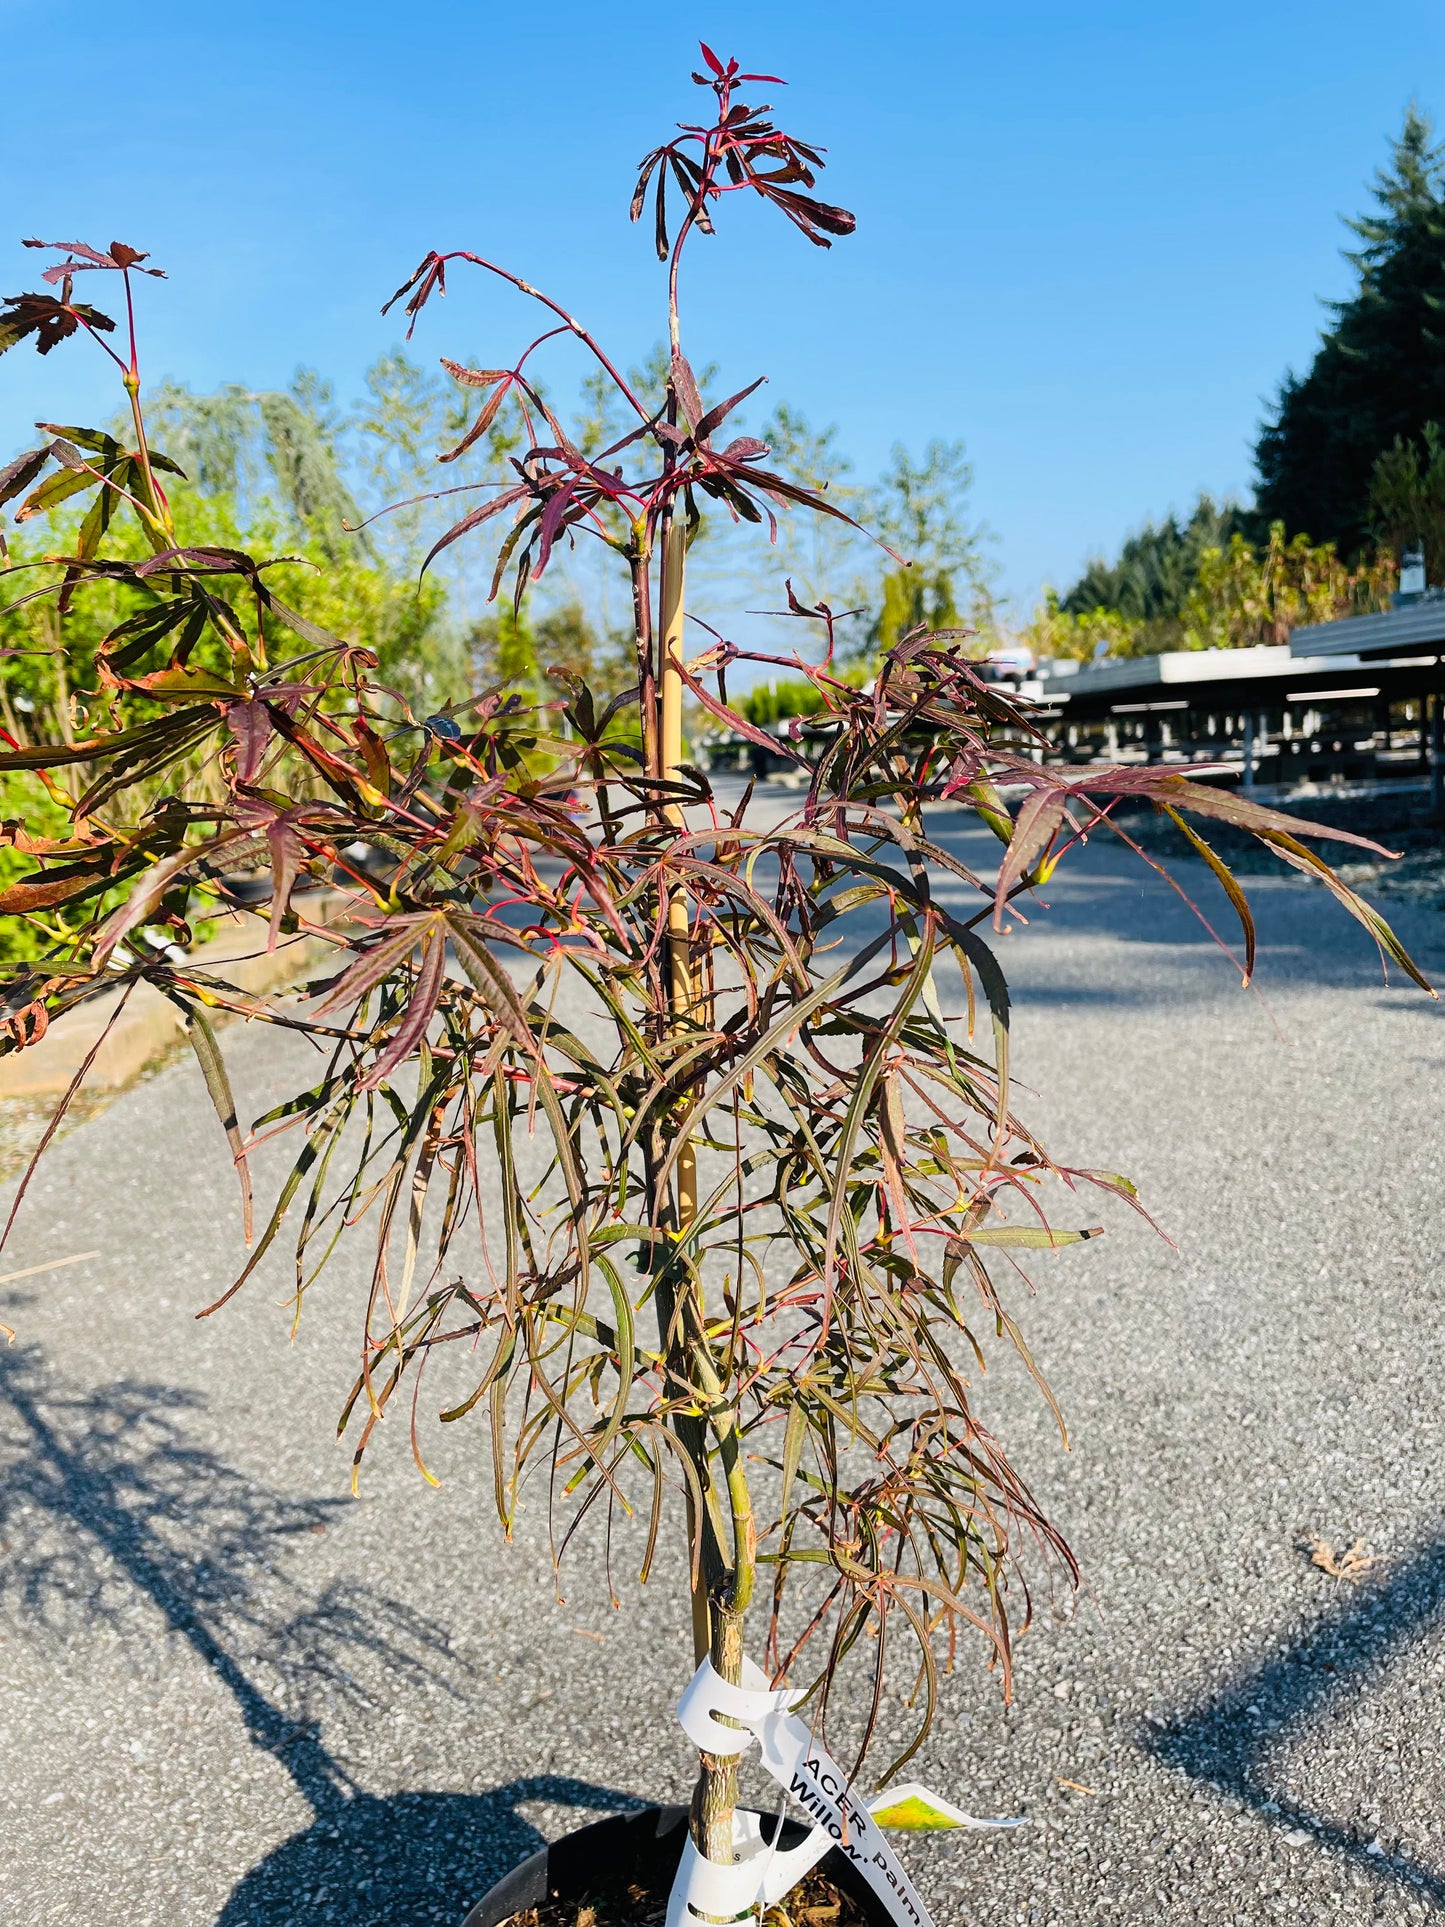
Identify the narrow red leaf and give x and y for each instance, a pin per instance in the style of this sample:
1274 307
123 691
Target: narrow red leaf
1034 830
474 520
250 724
420 1009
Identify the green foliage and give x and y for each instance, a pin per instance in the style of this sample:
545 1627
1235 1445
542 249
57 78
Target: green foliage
339 587
1204 585
778 701
270 457
1057 633
531 652
1379 374
1248 594
51 688
909 600
567 642
921 510
504 648
1407 498
1156 568
267 471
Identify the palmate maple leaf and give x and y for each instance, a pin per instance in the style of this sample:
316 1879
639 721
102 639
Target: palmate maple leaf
80 258
48 319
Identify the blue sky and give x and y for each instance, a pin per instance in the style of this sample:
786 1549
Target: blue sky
1090 238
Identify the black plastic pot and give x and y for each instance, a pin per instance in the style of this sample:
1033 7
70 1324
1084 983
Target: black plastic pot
644 1847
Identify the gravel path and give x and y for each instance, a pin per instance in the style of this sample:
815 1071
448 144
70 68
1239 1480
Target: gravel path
231 1695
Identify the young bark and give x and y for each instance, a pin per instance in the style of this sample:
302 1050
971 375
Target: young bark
715 1796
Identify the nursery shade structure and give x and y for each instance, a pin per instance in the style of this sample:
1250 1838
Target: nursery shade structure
1413 629
1264 715
1218 679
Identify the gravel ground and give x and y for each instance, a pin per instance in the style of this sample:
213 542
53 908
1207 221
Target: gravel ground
229 1694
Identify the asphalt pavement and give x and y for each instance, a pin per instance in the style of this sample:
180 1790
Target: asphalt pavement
231 1696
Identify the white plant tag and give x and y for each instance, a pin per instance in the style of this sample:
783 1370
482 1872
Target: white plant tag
812 1778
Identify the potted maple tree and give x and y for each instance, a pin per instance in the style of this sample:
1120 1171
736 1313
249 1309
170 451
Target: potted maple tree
740 1283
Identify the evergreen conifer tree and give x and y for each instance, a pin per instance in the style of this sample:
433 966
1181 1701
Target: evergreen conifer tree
1379 372
1157 567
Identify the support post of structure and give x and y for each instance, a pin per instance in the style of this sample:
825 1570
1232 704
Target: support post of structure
1437 753
1251 745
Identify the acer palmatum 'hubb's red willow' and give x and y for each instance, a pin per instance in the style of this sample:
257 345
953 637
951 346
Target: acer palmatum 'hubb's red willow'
778 1178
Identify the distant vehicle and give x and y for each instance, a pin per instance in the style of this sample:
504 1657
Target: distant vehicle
1012 666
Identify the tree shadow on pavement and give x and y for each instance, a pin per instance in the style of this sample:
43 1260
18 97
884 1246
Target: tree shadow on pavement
106 1502
1231 1740
406 1861
105 1496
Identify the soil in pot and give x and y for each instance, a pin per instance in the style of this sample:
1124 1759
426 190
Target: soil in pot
618 1873
816 1901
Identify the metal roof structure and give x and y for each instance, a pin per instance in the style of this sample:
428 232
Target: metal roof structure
1412 629
1269 677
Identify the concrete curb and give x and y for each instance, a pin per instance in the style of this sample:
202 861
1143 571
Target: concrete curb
151 1024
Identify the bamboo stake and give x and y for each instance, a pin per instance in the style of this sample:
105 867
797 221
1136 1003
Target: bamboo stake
674 552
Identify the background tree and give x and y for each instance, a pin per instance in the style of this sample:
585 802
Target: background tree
1156 567
291 470
1205 584
531 649
1379 373
504 650
1247 593
1407 498
1054 633
921 510
818 554
270 455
